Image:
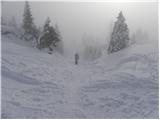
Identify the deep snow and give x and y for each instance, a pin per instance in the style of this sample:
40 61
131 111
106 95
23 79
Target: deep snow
40 85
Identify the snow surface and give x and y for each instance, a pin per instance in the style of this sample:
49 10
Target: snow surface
39 85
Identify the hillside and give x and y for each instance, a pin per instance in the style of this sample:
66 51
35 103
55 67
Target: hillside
39 85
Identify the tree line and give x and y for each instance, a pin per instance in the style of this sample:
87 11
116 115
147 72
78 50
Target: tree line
48 37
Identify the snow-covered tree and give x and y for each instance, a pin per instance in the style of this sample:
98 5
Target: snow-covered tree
13 22
27 19
92 52
30 30
60 46
141 36
119 36
91 48
49 38
133 39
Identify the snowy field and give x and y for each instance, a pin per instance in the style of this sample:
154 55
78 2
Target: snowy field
39 85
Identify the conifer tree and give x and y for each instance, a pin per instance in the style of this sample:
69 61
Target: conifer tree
49 37
119 36
30 30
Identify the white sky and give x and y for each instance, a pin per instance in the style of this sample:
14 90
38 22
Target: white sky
93 18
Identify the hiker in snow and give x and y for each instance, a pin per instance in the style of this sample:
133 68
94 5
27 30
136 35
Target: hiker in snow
76 58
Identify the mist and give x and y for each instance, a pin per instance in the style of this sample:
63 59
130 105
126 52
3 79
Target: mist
96 19
80 60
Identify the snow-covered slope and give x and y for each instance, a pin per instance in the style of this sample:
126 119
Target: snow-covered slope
40 85
124 85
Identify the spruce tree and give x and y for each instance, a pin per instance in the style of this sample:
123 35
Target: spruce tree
49 37
119 36
28 22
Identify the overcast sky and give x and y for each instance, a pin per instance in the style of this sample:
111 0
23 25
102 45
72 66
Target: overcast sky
92 18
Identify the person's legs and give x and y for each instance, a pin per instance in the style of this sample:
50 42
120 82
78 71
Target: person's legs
76 62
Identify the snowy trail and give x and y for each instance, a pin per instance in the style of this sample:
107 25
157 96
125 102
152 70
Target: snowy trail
73 77
39 85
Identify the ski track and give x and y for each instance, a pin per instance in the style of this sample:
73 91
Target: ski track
36 87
